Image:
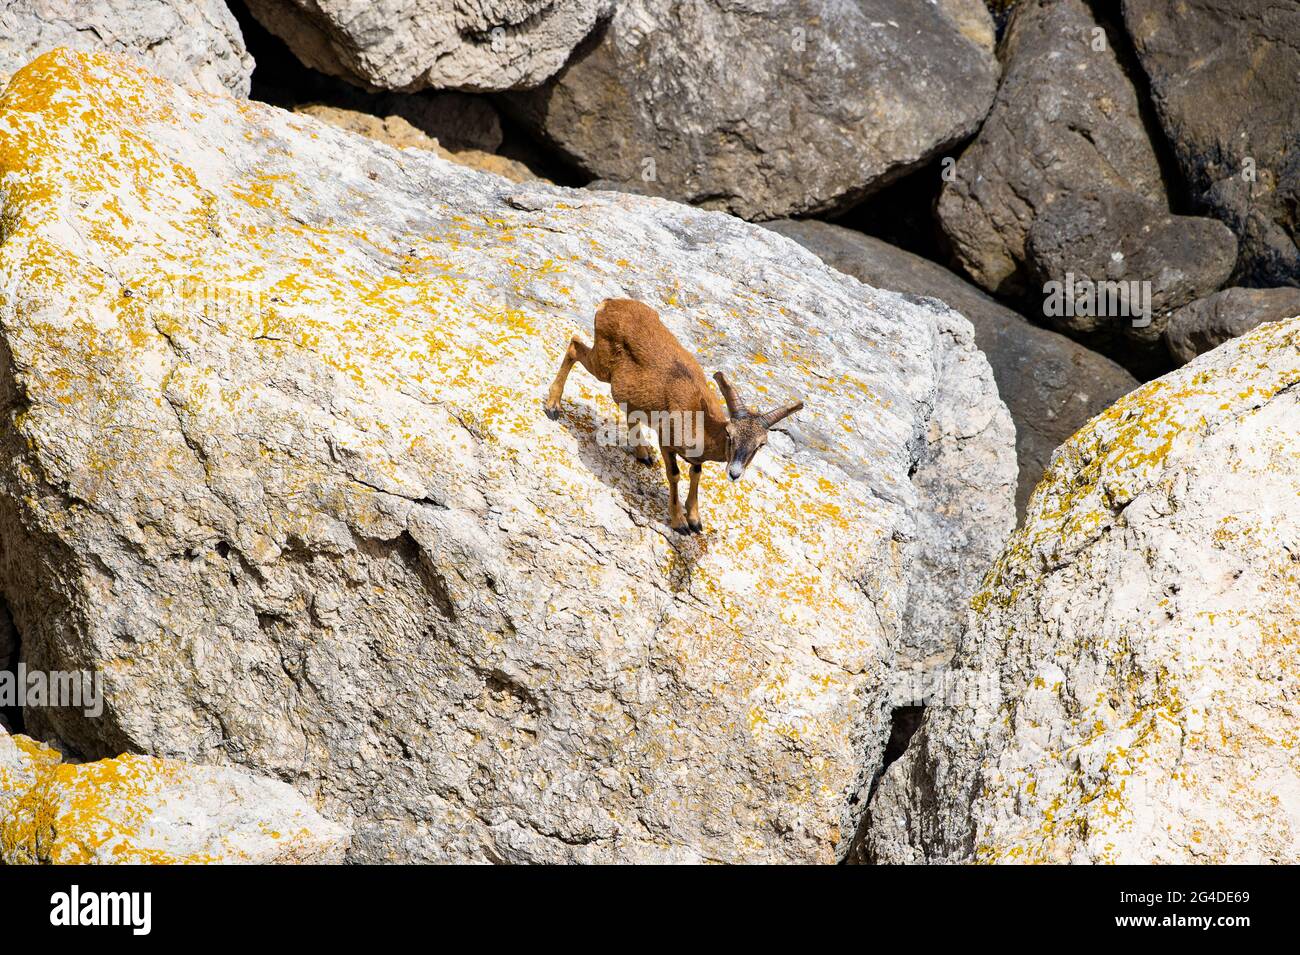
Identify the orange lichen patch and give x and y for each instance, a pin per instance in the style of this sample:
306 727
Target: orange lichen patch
1116 455
1182 721
190 295
27 813
103 810
116 810
259 191
83 813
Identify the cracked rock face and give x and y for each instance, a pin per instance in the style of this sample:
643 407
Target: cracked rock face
1141 627
273 459
1066 119
472 45
137 809
196 42
769 109
1223 80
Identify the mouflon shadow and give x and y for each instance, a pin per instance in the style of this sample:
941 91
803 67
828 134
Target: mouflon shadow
643 487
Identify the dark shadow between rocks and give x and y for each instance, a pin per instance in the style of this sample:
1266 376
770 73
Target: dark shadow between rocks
11 714
1110 17
903 724
523 115
904 213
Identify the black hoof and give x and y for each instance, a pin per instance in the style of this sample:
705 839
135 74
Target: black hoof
684 529
552 413
696 527
646 462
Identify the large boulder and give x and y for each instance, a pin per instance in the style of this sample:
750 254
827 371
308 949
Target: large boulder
138 809
767 109
1050 385
1066 119
274 461
1139 634
432 44
195 42
1223 79
1209 322
1109 236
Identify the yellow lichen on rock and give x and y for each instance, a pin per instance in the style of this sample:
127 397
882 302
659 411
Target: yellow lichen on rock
285 384
141 810
1143 628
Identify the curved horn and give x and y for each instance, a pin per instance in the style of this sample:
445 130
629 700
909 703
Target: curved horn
773 417
734 407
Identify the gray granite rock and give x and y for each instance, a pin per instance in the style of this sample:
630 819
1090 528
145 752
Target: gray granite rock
1110 236
767 109
1223 80
1066 119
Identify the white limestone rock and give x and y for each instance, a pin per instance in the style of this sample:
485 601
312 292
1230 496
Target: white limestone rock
138 809
195 42
479 45
1141 631
307 516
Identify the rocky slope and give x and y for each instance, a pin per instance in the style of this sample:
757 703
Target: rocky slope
273 460
1141 627
137 809
189 41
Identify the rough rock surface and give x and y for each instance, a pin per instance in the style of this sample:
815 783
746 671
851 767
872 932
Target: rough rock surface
307 516
1113 236
973 20
1050 385
766 109
1223 78
1209 322
1066 118
138 809
1142 627
398 132
194 42
478 46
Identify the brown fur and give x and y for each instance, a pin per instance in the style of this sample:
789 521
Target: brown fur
649 371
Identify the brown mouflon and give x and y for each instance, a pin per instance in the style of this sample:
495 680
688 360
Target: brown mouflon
658 381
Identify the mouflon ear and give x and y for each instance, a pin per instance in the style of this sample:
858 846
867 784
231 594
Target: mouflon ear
773 417
729 395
